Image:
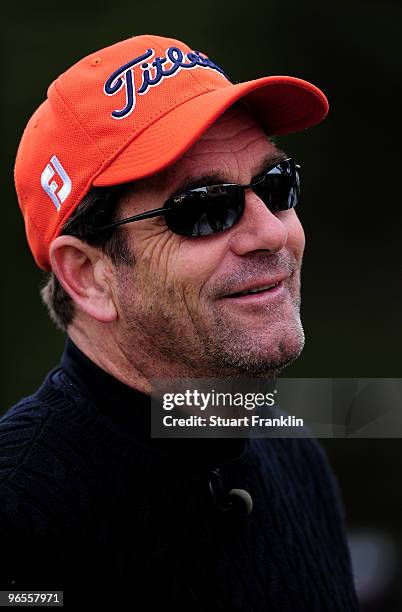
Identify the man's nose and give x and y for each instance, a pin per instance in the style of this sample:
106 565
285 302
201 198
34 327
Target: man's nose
258 229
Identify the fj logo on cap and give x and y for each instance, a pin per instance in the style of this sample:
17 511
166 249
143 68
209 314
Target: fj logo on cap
51 186
152 74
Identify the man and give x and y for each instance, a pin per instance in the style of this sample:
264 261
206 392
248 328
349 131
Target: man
205 285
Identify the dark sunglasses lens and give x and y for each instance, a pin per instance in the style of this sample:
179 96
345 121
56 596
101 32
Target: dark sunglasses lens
280 189
206 211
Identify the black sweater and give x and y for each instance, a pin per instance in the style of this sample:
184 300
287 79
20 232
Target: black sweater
92 505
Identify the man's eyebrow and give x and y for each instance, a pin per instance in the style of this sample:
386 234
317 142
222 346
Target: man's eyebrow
217 178
269 160
205 180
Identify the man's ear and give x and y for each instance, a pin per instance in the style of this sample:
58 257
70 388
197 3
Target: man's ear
84 272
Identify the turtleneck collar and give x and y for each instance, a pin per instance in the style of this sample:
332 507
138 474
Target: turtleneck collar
129 409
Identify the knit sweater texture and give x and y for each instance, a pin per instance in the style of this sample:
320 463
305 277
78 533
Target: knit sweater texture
92 505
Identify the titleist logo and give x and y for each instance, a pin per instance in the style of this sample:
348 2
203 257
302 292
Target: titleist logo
153 74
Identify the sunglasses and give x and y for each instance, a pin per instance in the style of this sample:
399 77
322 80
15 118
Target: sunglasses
208 210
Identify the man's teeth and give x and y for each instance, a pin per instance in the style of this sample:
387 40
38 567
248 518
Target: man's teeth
257 290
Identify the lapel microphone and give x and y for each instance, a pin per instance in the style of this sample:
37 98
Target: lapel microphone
236 500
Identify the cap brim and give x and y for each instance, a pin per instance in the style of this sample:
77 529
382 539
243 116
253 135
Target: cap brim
281 104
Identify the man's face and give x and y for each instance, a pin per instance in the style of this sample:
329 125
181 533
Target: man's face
174 318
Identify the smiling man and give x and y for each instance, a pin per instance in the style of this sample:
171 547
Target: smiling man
165 217
181 302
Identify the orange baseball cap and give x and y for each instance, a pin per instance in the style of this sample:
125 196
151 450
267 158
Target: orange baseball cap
128 111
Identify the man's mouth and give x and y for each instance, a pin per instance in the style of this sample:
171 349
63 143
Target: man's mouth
252 291
265 286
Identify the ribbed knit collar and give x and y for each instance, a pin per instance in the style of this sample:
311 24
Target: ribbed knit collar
129 410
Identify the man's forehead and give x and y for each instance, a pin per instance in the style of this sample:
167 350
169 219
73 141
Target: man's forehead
236 134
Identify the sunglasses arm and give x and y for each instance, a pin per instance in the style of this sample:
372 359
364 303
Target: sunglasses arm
146 215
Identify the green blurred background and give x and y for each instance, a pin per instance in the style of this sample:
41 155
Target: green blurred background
351 206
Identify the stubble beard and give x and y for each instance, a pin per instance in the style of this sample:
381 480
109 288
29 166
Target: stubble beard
241 355
167 338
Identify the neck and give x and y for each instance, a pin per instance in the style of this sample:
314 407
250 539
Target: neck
105 351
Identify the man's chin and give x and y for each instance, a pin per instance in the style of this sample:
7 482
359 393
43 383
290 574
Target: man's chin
259 367
256 363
